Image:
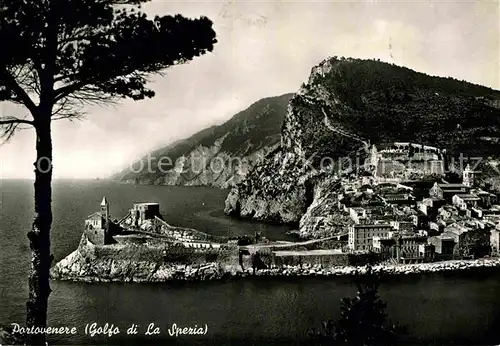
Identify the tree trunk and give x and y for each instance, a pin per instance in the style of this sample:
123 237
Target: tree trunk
39 236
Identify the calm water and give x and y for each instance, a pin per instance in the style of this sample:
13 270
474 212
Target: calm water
438 309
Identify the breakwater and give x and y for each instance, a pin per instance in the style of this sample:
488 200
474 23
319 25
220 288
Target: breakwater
384 269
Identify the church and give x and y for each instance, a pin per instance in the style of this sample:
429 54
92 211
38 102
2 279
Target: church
97 225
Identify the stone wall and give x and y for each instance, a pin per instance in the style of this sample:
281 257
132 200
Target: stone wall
326 260
145 263
96 236
159 253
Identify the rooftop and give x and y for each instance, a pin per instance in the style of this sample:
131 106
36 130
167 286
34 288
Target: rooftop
373 225
94 215
470 197
308 253
448 185
455 191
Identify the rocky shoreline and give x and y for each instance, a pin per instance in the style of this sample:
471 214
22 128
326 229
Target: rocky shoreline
76 268
384 269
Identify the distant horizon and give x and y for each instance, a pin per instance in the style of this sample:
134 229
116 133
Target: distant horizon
132 160
263 53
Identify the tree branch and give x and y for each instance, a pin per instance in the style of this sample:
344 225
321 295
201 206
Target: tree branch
64 91
10 126
11 83
16 121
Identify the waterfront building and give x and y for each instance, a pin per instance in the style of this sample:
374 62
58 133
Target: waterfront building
443 245
361 235
495 241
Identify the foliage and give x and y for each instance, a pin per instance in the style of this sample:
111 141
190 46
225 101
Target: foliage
70 53
246 240
363 320
386 103
59 56
474 243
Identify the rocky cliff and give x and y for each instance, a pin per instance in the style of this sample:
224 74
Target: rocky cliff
219 156
345 106
140 263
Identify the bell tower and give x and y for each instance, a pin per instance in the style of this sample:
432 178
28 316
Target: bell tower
105 211
468 177
105 219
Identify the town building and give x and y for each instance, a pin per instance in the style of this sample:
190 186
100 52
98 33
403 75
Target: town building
443 246
466 201
430 206
358 214
361 235
403 226
398 198
495 241
487 199
468 176
144 211
413 249
404 248
446 191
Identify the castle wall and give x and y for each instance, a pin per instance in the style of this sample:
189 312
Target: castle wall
96 236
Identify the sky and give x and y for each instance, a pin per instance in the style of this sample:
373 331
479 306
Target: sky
265 48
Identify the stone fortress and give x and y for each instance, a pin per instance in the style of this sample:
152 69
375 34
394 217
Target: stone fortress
407 160
407 216
143 224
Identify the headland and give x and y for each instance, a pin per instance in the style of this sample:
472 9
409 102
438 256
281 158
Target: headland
142 247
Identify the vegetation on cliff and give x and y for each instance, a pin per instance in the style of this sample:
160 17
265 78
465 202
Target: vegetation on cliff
384 103
348 103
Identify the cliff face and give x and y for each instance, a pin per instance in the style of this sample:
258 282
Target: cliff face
347 105
219 156
138 263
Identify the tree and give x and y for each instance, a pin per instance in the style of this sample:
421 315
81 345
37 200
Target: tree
363 320
59 56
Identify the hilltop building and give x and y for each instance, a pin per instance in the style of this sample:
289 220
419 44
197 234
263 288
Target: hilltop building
468 176
410 161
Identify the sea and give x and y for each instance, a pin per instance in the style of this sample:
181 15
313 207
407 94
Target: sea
437 309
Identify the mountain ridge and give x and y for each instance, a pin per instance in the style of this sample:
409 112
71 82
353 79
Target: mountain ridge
376 102
219 155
